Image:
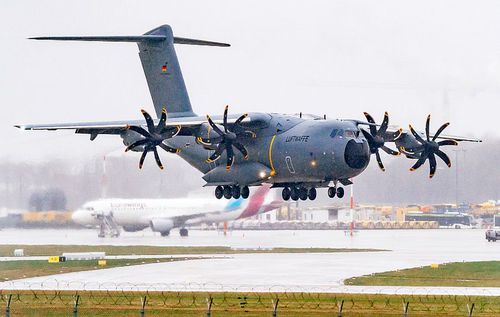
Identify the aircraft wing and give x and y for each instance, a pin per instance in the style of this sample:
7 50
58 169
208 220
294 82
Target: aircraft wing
117 127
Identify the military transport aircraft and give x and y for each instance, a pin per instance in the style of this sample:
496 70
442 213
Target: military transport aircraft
298 153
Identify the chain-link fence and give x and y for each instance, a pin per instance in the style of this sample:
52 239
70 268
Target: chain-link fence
154 302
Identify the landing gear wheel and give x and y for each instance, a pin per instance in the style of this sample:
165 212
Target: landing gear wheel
165 233
285 194
312 193
236 191
245 192
303 193
340 192
183 232
219 192
294 194
228 193
332 191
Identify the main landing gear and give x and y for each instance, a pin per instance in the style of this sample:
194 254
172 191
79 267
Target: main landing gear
295 193
234 191
183 232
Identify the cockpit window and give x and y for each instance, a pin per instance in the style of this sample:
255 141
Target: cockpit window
349 134
90 208
334 133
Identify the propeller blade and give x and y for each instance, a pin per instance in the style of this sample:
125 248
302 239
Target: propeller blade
432 163
367 136
419 162
391 137
447 142
216 155
369 118
157 158
249 133
171 132
440 130
417 136
168 148
379 161
214 126
224 120
136 144
444 157
242 149
143 157
139 130
163 119
427 127
230 155
206 141
149 121
384 125
237 122
390 151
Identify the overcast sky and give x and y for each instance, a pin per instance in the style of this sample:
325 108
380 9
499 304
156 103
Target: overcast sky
335 57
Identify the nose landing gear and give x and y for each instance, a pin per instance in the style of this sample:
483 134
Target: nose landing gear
335 191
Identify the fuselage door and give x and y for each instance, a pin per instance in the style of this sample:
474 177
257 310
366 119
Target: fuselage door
289 164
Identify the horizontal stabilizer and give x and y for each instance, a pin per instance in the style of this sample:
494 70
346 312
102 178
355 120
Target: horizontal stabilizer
134 39
140 38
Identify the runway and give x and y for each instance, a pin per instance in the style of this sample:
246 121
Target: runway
270 272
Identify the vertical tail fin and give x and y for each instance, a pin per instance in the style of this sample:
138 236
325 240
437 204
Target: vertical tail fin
163 74
160 64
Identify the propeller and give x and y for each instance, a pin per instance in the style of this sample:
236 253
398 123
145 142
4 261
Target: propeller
153 137
377 138
227 139
429 148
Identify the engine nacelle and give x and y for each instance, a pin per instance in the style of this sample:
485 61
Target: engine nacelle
129 137
134 228
161 225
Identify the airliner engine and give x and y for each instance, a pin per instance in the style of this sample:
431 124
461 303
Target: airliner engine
162 225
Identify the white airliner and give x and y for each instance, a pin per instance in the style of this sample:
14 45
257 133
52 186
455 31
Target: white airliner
162 215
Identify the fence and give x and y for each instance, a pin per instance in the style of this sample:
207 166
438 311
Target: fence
39 302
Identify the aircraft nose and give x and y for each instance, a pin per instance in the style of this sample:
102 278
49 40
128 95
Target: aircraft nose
357 155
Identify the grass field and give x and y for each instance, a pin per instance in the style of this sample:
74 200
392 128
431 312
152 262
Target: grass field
472 274
113 303
11 270
32 250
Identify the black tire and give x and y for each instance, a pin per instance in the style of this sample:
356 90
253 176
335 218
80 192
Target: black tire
184 232
165 233
312 193
228 193
245 192
219 192
236 191
303 193
332 191
294 194
340 192
285 194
